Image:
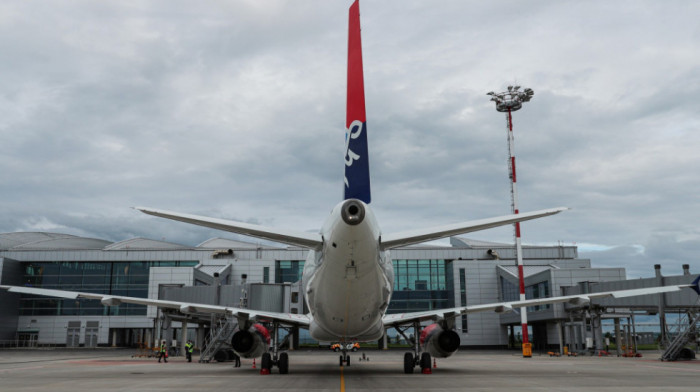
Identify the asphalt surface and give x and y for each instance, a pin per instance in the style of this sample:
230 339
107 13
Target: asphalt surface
91 370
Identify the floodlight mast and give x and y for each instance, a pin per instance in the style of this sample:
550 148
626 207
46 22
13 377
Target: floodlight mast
508 102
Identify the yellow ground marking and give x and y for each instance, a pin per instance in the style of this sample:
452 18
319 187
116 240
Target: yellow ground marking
342 380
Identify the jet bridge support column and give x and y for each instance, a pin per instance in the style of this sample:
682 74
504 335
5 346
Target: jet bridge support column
200 336
183 337
662 306
560 333
597 329
618 337
166 331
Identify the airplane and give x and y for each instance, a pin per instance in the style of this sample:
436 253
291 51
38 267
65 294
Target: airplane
348 275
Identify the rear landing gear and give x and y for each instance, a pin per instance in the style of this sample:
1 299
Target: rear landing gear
281 360
410 361
415 358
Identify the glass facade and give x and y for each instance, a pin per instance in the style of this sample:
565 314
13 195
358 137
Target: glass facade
117 278
539 290
510 292
421 285
288 270
463 297
418 284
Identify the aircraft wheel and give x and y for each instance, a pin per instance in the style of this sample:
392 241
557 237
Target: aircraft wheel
266 362
283 363
347 360
408 363
341 360
221 356
425 361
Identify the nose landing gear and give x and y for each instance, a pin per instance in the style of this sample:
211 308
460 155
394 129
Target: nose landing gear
345 358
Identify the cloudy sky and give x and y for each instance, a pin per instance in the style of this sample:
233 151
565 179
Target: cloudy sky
235 109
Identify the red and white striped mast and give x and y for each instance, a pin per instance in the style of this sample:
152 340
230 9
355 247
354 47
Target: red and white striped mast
508 102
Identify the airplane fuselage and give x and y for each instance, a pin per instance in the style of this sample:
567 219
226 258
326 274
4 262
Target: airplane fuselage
348 282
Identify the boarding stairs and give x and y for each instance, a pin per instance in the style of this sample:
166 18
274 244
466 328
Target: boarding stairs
219 337
686 333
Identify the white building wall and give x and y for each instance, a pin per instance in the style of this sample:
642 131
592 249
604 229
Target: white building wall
166 276
53 330
482 287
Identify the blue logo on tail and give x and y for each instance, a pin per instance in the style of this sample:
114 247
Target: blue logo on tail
357 163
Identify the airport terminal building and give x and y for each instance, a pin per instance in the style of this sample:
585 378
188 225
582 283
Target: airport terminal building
265 277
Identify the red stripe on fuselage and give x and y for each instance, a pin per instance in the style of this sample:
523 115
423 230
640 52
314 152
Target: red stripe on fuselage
356 85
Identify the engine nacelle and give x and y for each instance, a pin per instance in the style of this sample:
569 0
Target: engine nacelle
252 342
440 343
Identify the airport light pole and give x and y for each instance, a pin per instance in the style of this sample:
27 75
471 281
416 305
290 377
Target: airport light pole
508 102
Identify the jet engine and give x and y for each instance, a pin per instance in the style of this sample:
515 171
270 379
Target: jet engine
440 343
251 343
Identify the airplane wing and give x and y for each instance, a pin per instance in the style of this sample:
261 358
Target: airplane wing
305 240
422 235
301 320
506 307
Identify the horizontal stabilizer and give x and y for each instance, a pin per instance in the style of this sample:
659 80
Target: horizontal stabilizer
434 233
302 239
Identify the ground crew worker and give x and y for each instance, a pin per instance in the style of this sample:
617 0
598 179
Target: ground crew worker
163 352
189 347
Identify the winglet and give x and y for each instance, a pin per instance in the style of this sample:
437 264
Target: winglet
357 184
695 285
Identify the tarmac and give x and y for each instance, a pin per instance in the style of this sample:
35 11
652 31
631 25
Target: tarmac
90 370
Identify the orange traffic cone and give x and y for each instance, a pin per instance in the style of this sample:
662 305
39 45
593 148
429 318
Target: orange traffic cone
434 364
264 371
253 363
427 371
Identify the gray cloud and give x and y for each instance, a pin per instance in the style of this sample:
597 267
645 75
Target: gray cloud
236 110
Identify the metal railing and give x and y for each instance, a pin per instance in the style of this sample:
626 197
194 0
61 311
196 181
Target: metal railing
219 336
685 333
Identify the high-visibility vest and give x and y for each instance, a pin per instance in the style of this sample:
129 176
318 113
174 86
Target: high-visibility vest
189 347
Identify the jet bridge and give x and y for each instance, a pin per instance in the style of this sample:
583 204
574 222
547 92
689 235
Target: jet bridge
673 337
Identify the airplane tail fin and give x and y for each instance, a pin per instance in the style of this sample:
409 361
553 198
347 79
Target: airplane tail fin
695 286
357 184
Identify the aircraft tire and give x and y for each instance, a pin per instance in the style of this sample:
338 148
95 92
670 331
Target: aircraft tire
408 364
283 363
425 361
221 356
266 361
